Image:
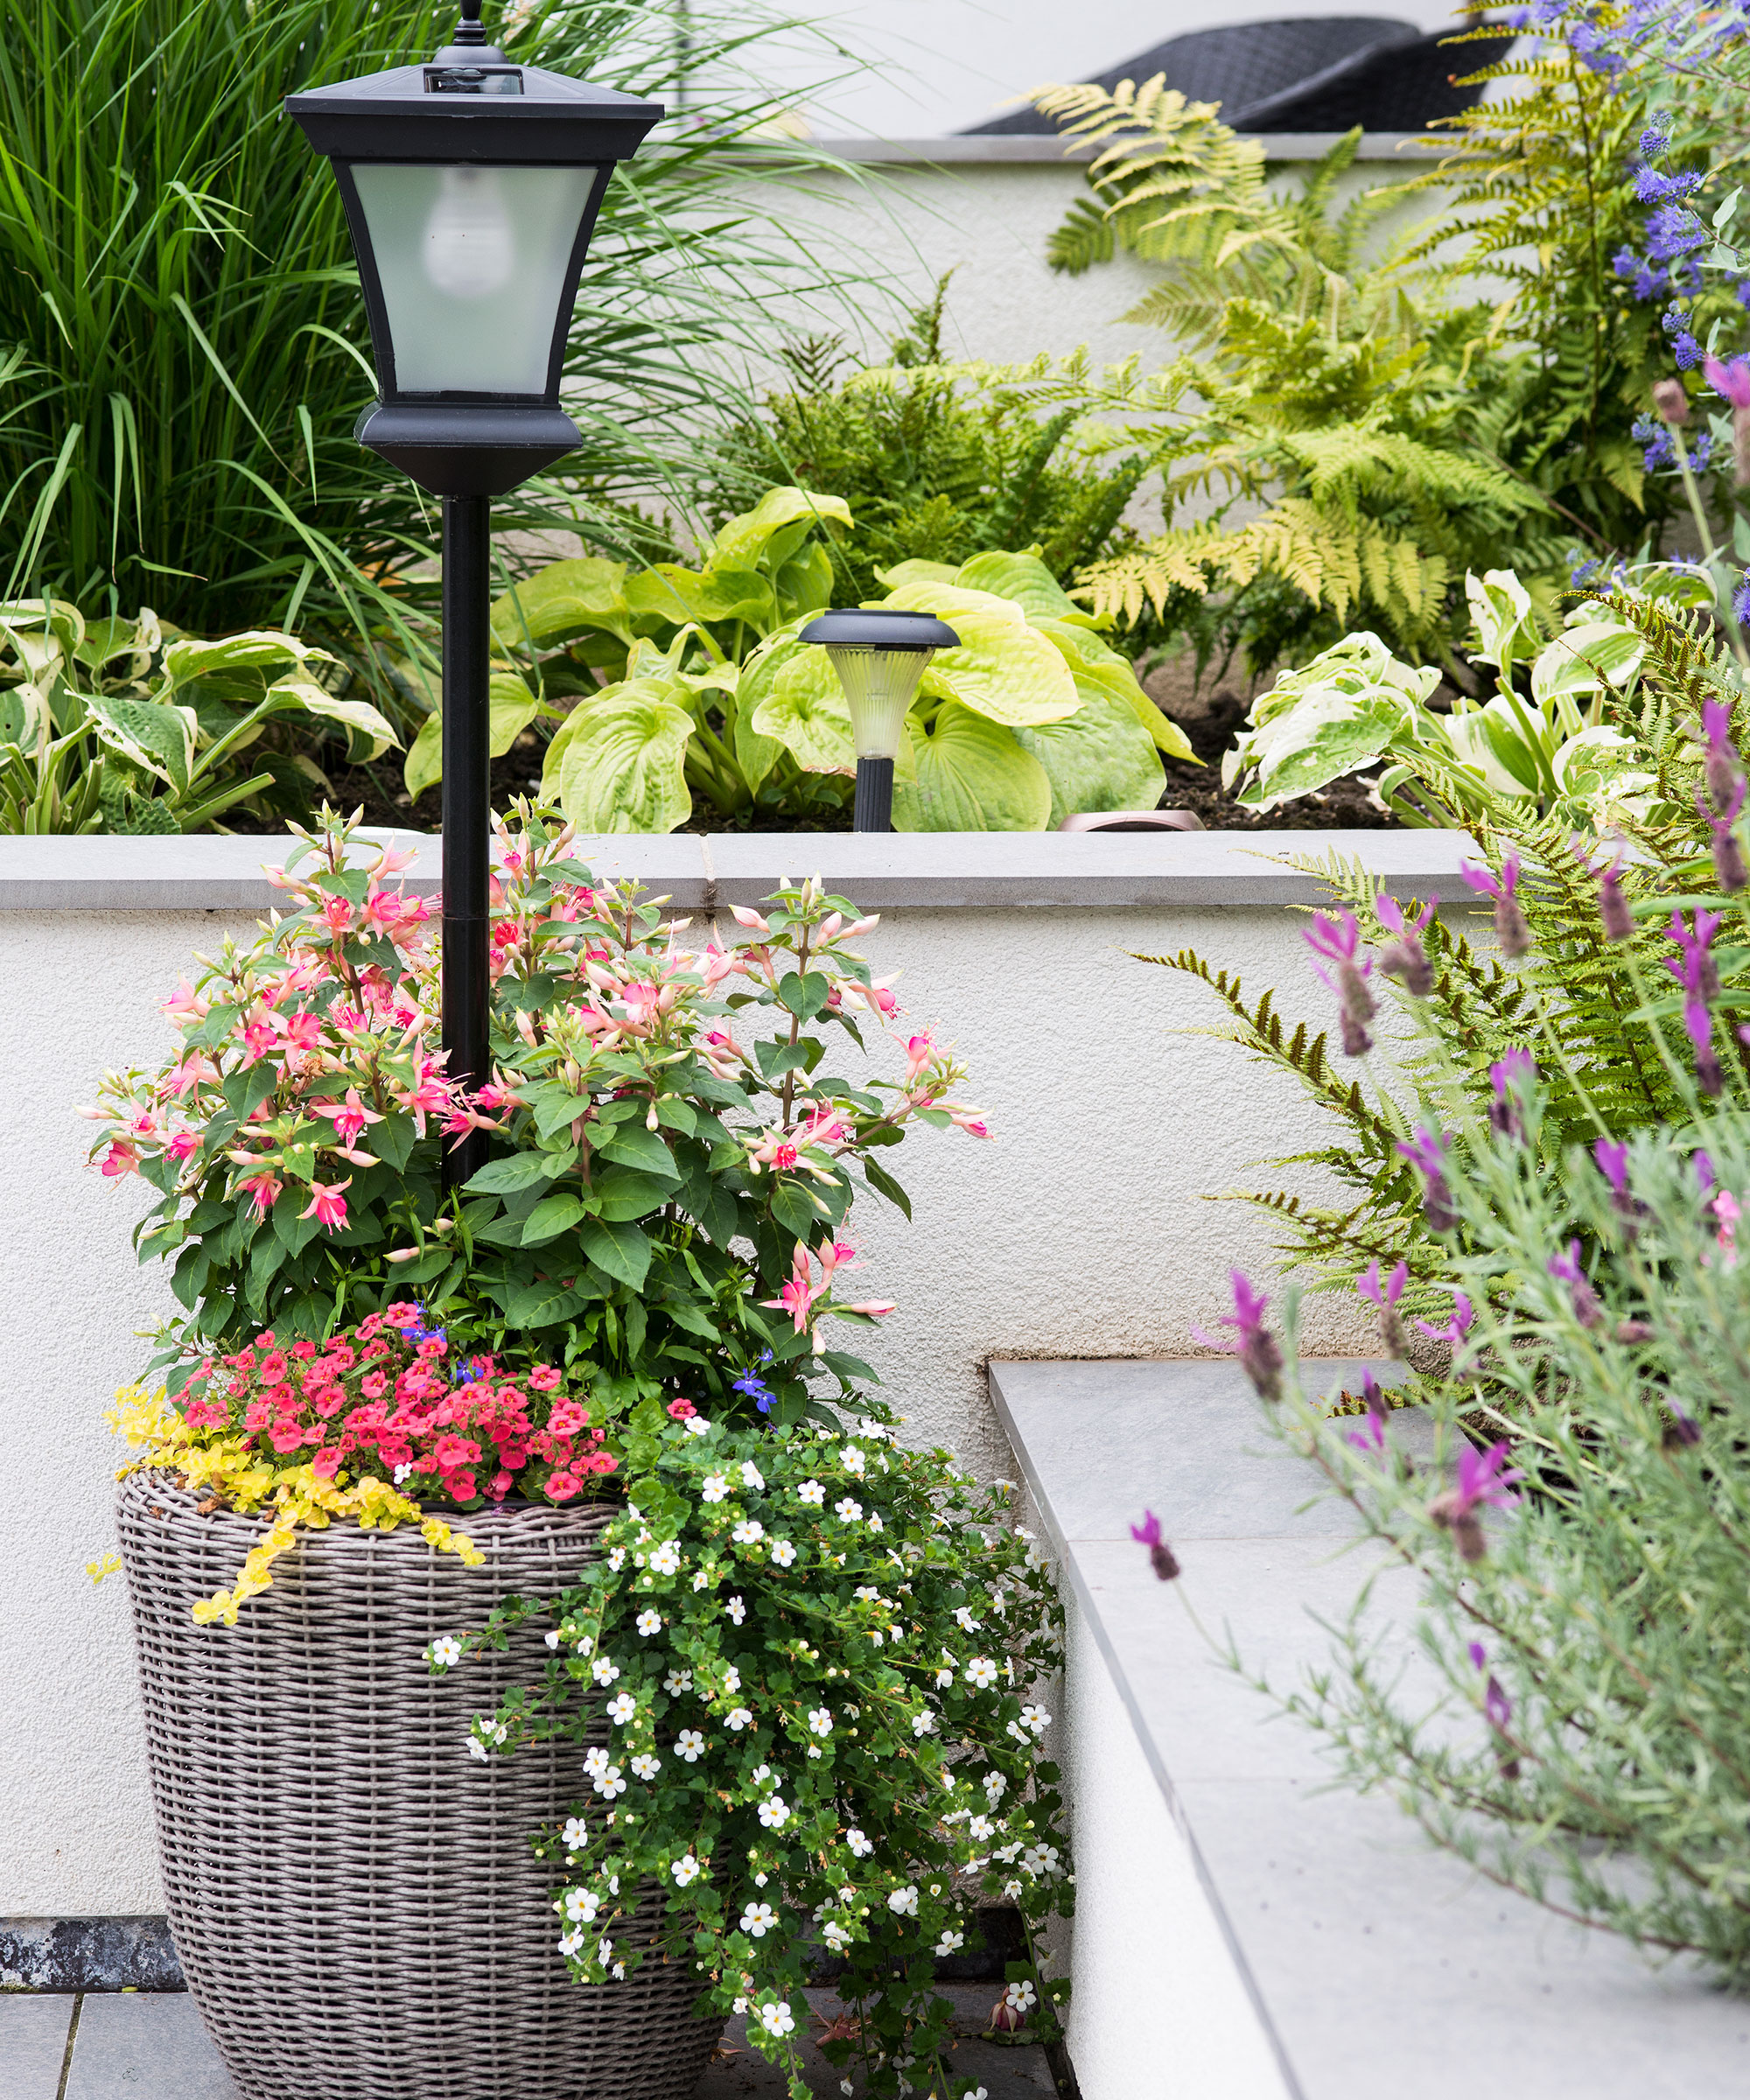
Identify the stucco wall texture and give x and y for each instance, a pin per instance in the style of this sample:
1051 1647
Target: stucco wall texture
1078 1230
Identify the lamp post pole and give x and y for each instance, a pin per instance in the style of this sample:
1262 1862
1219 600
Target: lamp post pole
873 808
468 810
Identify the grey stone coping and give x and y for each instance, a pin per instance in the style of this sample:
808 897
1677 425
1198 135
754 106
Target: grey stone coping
1380 1967
1045 148
1191 871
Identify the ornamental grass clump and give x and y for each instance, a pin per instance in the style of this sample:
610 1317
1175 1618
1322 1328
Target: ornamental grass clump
818 1651
1581 1538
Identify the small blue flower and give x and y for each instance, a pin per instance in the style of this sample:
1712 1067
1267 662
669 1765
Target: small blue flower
1656 137
1687 351
755 1389
1673 230
1741 603
1583 571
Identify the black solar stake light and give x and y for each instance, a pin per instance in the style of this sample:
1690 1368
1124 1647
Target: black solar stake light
879 656
472 187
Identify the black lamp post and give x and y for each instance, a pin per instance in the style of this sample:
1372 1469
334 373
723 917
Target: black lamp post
879 656
472 187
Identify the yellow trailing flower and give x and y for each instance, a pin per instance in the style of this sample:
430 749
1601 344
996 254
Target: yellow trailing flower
299 1497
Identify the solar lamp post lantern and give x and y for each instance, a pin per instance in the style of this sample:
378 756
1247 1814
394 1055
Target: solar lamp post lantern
471 186
879 656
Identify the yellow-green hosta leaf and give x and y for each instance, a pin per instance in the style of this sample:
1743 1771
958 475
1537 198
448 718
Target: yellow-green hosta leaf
1102 758
805 712
586 596
803 585
512 706
1007 671
953 603
674 596
783 516
357 715
623 767
156 737
902 573
1093 662
972 775
424 764
1026 580
755 753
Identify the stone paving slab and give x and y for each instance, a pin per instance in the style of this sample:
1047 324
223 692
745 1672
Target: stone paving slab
151 2045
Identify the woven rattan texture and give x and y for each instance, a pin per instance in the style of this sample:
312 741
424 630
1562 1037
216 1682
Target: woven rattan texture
353 1896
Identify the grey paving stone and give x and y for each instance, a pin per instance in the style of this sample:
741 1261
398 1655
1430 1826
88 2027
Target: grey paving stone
32 2044
145 2046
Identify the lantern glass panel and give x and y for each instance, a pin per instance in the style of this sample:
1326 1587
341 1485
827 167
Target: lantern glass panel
472 262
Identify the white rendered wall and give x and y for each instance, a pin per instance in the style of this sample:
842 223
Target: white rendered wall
1077 1231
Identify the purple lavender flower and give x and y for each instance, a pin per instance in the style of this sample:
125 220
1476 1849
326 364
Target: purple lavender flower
1681 1431
1427 1151
1612 906
1612 1164
1670 399
1257 1348
1694 969
1339 941
1484 1476
1703 1170
1405 957
1510 929
1497 1711
1160 1554
1456 1328
1385 1296
1728 858
1565 1268
1509 1076
1723 770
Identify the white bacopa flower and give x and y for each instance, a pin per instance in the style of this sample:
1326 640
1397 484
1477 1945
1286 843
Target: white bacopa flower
609 1781
859 1844
751 1476
949 1941
811 1491
761 1773
981 1671
648 1623
994 1785
666 1560
1008 1854
616 1560
903 1903
603 1951
999 1602
732 1676
582 1904
945 1674
603 1671
875 1523
758 1918
596 1760
715 1487
834 1936
685 1870
1022 1997
676 1682
689 1745
980 1829
867 1595
848 1509
877 1640
777 2019
851 1459
774 1813
740 2006
575 1834
445 1650
924 1723
621 1708
571 1941
1035 1717
739 1719
696 1425
963 1614
1041 1861
748 1532
702 1581
820 1721
1012 1891
551 1637
814 1750
738 1612
646 1766
783 1553
477 1749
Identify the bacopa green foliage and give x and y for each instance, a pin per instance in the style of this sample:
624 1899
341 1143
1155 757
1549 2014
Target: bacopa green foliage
667 1201
1586 1745
806 1671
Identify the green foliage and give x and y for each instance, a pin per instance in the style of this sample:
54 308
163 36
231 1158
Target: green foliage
1582 1739
935 467
711 695
121 725
819 1647
190 344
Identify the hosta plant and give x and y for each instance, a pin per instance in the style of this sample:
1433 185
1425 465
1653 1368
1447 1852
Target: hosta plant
671 1150
816 1652
116 725
1541 738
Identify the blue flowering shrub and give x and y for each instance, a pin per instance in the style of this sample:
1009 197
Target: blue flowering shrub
815 1654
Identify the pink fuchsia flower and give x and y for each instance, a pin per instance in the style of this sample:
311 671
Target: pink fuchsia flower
1512 935
1484 1476
328 1206
1509 1076
1405 958
1457 1327
1385 1296
1257 1348
1339 941
120 1158
969 1120
1160 1554
186 1004
183 1146
1427 1151
746 917
919 1052
1565 1268
349 1116
798 1295
263 1190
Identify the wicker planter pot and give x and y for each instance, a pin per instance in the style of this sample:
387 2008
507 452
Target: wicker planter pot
353 1896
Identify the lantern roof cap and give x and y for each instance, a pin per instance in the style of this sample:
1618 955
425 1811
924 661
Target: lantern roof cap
881 627
470 103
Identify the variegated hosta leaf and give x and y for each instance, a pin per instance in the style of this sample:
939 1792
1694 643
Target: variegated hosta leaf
1500 612
156 737
185 661
25 718
41 633
357 715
